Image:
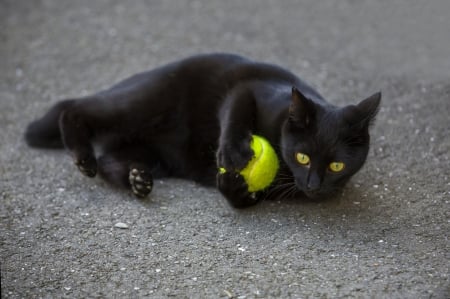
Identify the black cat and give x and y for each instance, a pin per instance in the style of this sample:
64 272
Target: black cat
192 116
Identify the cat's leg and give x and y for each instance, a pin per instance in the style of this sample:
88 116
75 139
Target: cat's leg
234 152
131 168
130 109
76 133
236 124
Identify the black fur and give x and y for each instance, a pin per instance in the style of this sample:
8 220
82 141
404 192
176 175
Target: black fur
192 116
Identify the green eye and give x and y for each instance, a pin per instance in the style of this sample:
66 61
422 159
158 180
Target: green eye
302 158
336 166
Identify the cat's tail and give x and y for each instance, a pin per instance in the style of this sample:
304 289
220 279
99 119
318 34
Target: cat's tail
44 132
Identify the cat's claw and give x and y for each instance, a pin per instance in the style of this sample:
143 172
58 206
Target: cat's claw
141 182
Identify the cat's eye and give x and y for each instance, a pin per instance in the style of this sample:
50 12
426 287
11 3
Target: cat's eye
302 158
336 166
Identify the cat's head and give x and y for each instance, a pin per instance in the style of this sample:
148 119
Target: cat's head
324 146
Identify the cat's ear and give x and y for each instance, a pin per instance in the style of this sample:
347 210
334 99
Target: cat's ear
369 108
301 110
363 114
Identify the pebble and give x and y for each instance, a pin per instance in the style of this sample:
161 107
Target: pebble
121 225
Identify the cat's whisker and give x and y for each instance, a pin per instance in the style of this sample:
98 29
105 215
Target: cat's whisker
277 188
285 181
282 195
286 189
284 178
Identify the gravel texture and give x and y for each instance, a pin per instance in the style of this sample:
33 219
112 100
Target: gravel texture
386 236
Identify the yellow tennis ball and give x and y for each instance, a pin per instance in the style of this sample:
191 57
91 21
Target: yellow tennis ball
262 168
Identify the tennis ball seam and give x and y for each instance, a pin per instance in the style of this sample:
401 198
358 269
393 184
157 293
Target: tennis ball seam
255 158
266 174
262 168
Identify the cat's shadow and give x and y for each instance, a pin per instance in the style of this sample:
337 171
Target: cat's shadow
350 210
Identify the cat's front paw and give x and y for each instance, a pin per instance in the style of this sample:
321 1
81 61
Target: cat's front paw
233 186
234 155
141 181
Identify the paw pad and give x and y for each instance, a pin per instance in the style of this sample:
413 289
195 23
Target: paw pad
141 182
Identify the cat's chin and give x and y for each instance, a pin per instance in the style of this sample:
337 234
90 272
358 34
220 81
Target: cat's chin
312 195
317 195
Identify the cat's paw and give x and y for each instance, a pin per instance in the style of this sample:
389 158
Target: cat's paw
87 165
141 181
233 186
235 155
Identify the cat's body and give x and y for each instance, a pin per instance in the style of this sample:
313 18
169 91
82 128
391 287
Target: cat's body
189 117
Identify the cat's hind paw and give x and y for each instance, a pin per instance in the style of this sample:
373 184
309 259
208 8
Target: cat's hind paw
141 182
87 166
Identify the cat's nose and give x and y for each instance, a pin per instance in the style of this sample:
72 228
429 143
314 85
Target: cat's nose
313 182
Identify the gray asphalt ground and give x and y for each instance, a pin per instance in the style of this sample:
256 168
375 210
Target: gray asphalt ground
385 236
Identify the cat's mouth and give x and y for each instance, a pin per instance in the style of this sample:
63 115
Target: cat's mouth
316 195
321 194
